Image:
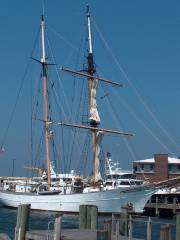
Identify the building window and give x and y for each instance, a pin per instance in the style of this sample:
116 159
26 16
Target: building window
151 167
170 167
179 168
142 167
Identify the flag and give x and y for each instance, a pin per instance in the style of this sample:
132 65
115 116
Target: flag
2 149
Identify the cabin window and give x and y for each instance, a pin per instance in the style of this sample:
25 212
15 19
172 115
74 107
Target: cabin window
108 183
135 168
124 183
132 183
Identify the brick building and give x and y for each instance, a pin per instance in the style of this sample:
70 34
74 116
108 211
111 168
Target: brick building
159 168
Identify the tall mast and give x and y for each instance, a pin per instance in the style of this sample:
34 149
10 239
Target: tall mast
45 93
93 112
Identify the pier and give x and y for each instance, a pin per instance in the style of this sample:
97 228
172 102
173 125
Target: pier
164 204
117 227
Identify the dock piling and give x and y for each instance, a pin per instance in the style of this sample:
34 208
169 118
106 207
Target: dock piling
94 217
165 232
177 225
22 221
88 215
82 216
123 221
57 227
149 229
130 228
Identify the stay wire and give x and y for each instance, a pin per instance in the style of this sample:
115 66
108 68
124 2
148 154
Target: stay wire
14 107
140 98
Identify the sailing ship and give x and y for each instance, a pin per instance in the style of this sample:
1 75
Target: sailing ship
107 201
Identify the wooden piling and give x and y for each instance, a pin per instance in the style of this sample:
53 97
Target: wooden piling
165 232
117 230
108 227
22 221
130 227
82 216
177 225
149 229
88 217
123 221
57 227
94 217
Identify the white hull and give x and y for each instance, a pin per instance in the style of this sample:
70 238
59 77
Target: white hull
106 201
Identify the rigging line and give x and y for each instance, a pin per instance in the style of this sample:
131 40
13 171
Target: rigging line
147 128
39 150
59 158
31 124
125 104
35 106
57 101
76 118
134 88
63 148
72 105
74 82
61 107
17 97
63 92
104 163
115 117
14 107
83 164
53 59
62 38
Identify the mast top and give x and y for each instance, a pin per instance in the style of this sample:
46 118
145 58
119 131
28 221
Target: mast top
89 30
42 17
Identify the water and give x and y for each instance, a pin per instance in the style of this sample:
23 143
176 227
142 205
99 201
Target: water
38 220
139 228
44 220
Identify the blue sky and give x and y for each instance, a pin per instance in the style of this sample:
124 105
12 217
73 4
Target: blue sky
135 42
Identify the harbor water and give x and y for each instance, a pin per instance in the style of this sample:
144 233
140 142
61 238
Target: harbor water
44 220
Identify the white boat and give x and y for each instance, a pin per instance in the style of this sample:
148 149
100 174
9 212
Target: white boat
116 177
107 201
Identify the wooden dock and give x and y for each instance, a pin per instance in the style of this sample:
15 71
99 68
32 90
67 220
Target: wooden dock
163 203
71 234
119 227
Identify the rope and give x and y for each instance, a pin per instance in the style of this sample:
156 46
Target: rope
140 98
14 107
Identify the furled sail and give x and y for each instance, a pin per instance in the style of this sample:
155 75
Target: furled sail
94 115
